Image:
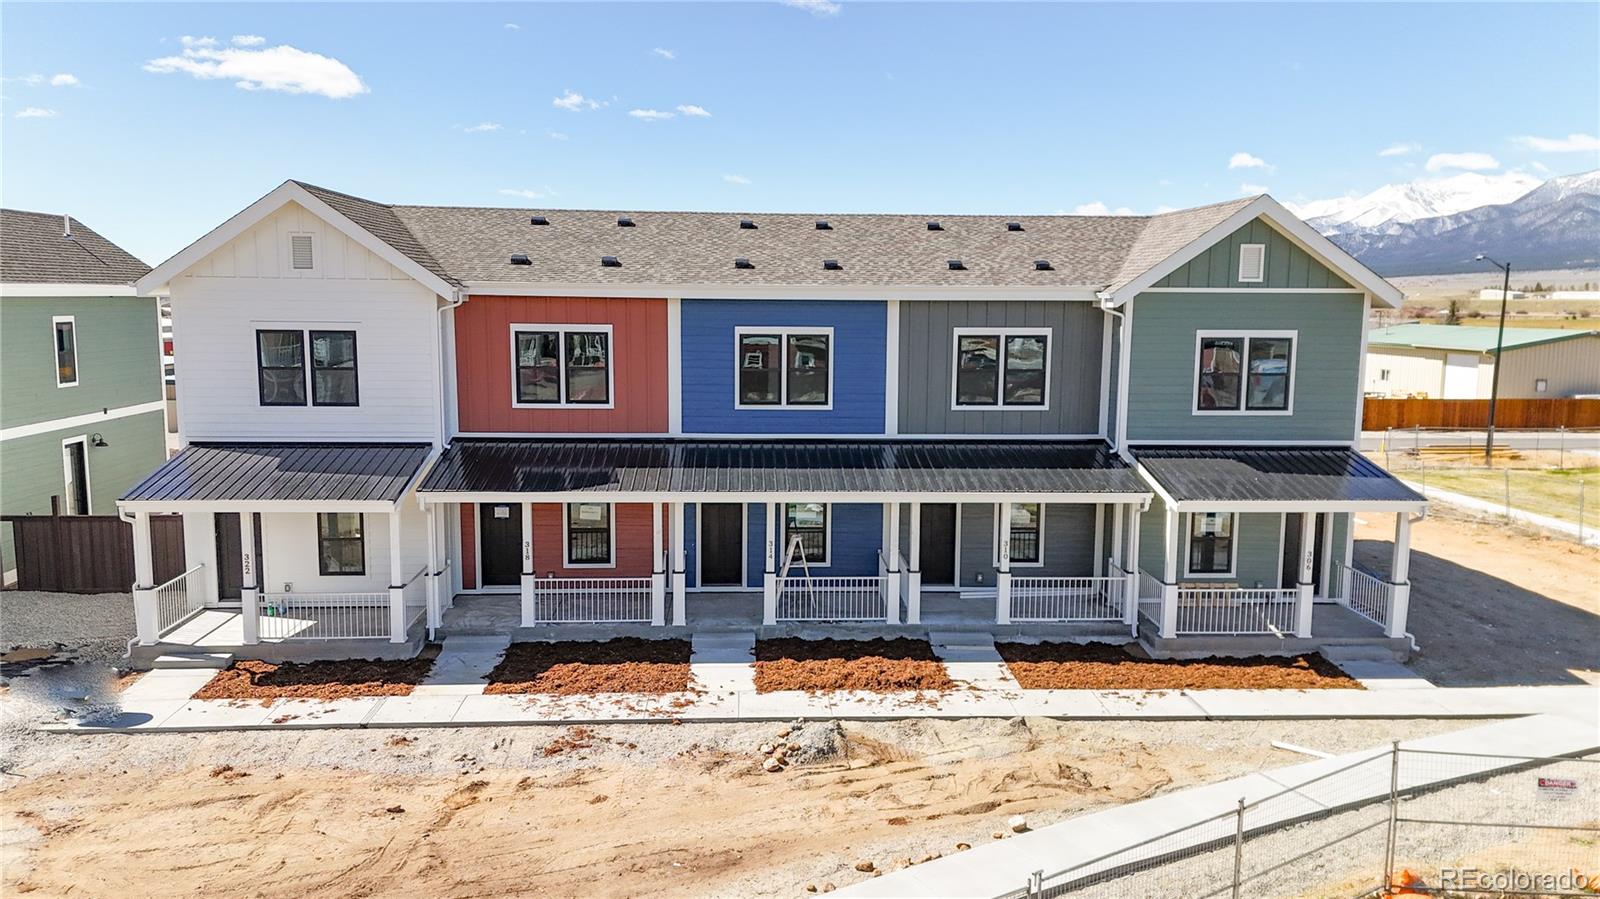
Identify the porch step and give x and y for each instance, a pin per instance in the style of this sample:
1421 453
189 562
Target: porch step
963 646
1338 653
216 660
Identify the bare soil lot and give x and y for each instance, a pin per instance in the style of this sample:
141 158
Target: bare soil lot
879 666
620 665
334 679
1100 666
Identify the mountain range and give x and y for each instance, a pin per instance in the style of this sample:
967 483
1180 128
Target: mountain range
1438 226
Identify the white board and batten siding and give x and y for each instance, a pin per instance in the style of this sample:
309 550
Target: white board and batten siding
250 283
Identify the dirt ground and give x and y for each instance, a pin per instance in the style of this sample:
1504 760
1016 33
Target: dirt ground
817 666
1099 666
621 665
623 810
1492 605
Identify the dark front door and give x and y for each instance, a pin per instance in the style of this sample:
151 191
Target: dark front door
1291 552
230 557
721 544
500 538
938 544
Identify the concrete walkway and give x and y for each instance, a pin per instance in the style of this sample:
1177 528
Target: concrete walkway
1079 846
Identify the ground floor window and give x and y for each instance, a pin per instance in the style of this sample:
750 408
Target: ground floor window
1211 543
341 547
809 523
589 534
1027 527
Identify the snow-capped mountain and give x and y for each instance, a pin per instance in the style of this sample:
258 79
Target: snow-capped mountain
1400 230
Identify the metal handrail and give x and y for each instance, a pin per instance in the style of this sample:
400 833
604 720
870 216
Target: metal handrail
180 577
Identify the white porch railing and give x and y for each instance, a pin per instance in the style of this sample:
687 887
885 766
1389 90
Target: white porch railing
1235 610
1369 597
563 600
178 600
324 616
833 598
1067 598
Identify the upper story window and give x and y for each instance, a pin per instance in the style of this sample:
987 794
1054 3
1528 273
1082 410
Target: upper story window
1244 373
807 523
281 365
1252 263
781 368
561 365
590 539
341 545
1211 543
1027 528
66 338
1004 368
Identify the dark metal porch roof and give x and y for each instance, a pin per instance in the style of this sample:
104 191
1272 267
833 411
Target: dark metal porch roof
790 466
321 472
1271 474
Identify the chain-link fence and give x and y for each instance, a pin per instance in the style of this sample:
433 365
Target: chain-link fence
1433 823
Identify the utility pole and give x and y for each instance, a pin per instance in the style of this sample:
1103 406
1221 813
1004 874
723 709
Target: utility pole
1499 348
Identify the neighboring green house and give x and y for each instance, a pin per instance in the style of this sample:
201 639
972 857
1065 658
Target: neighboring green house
82 410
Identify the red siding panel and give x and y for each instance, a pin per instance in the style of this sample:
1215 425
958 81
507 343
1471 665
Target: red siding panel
633 542
639 359
469 547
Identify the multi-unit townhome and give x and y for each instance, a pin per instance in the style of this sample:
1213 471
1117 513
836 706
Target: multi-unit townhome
406 420
81 409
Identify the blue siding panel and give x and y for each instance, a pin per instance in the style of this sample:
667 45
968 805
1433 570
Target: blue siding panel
691 535
860 333
755 545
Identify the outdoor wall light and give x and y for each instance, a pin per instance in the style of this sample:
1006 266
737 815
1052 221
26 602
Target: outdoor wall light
97 440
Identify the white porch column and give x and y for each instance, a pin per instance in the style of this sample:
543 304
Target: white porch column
1099 539
530 611
1002 577
1400 575
1169 575
658 569
249 580
914 574
678 566
1130 612
891 584
1303 585
397 575
769 574
435 616
146 621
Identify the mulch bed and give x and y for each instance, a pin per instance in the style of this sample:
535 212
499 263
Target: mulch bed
1101 666
619 665
878 666
332 679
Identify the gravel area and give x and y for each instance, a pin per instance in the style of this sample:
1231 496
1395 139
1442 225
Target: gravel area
620 665
878 666
97 627
1101 666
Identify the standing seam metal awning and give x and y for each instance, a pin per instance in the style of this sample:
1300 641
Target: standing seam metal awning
283 472
1262 477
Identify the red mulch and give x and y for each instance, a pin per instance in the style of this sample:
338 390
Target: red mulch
1101 666
878 666
332 679
619 665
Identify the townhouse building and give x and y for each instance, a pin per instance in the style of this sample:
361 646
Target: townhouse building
403 420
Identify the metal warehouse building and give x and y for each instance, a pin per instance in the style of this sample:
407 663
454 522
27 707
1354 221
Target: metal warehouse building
1456 362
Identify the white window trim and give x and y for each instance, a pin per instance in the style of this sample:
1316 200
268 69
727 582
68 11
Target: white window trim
827 536
1233 548
561 364
784 333
66 475
288 247
1000 384
566 541
1002 509
1244 373
1240 272
77 354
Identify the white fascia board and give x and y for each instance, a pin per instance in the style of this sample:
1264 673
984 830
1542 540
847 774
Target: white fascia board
1306 505
777 292
159 277
67 290
1290 225
772 496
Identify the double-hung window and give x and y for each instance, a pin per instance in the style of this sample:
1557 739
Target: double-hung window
333 368
1027 529
284 356
1001 368
561 365
807 522
781 368
66 338
281 367
341 546
1211 543
589 535
1244 372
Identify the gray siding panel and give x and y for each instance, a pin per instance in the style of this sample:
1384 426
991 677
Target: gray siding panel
1068 543
927 352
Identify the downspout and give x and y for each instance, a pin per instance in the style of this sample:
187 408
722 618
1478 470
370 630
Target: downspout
457 297
1124 350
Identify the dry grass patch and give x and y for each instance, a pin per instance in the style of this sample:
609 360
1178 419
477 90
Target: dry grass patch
333 679
619 665
1101 666
878 666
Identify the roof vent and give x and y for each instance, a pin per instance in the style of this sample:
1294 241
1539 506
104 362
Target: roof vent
538 220
822 225
624 222
611 261
742 262
956 265
832 265
520 259
935 226
747 225
1013 226
1042 265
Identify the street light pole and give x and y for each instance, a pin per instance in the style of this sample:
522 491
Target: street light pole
1499 348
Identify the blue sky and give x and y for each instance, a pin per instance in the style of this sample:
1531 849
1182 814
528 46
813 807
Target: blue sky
810 106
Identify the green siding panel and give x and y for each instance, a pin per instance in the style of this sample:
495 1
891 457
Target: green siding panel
1162 365
119 356
1288 266
1260 537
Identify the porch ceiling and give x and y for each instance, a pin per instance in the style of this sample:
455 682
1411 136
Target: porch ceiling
283 472
1333 478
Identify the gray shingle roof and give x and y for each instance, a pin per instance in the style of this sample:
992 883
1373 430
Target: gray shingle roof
324 472
380 220
1170 232
1278 474
33 250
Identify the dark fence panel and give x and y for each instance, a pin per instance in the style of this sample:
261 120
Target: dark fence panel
1564 412
90 553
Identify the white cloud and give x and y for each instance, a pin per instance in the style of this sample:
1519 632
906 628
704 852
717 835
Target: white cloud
651 115
1399 149
1474 162
483 127
512 26
556 135
736 179
1164 208
1242 160
1099 208
248 40
64 79
664 53
35 112
1572 143
281 68
572 101
521 193
693 111
1248 189
815 7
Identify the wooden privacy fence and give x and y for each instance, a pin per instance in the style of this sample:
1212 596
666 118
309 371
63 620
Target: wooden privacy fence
90 553
1380 414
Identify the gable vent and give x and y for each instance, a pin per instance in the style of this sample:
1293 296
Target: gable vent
956 265
822 225
624 222
300 256
520 259
747 225
742 262
935 226
1013 226
832 265
610 262
538 220
1042 265
1252 262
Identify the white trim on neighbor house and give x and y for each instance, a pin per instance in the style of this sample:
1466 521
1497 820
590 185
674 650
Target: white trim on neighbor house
79 291
566 535
1003 334
561 332
56 321
891 367
1000 509
1233 546
816 291
1260 250
744 551
674 365
783 333
1244 371
66 476
88 419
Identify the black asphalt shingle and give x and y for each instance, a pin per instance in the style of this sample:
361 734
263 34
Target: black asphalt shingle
331 472
1275 474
